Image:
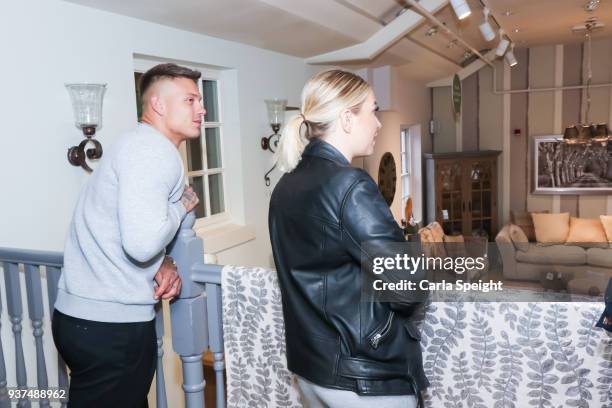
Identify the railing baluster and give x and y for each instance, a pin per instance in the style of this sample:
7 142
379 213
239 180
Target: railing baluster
36 313
160 384
215 330
13 301
53 275
4 399
189 327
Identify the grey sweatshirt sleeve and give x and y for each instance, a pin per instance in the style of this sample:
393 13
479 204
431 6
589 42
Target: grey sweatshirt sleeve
147 220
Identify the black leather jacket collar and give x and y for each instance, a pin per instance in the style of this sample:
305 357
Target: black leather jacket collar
320 148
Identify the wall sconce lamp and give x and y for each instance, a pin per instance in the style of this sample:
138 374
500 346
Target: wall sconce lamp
87 106
276 114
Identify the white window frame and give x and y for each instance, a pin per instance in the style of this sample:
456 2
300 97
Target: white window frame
142 65
406 164
410 156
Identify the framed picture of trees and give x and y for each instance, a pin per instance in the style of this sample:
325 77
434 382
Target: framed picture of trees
563 168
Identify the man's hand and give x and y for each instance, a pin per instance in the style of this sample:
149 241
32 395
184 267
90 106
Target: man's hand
189 199
168 280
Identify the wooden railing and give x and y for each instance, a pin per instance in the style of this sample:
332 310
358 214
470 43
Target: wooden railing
196 319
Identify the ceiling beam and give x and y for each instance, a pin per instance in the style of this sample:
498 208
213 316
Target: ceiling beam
464 72
380 40
329 14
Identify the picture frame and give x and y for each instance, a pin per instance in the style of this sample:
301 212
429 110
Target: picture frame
563 168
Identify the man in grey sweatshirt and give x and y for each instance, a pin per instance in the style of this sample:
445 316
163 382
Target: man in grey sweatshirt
125 216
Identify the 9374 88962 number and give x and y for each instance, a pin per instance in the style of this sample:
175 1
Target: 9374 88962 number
35 394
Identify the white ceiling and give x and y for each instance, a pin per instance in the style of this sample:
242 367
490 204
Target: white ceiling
549 21
313 27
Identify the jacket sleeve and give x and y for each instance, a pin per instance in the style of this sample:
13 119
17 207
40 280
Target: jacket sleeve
370 231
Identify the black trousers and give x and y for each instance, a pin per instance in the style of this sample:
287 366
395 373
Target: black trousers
111 364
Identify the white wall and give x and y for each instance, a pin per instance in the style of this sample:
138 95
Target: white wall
47 43
445 136
61 42
409 105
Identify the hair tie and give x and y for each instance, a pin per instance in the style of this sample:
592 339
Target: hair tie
307 123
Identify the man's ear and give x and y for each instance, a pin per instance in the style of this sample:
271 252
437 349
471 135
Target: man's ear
346 120
157 104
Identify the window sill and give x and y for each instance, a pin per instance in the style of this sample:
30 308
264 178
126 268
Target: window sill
221 236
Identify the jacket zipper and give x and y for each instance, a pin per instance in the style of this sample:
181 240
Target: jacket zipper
382 333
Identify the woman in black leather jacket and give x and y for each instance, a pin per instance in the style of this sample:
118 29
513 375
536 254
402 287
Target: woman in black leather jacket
345 352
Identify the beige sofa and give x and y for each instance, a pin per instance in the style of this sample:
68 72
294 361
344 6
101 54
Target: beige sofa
572 261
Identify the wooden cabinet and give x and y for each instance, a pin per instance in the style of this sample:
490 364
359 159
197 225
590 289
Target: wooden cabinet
462 192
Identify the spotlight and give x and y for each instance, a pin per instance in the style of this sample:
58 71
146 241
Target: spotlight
431 31
510 58
591 5
485 28
503 44
462 10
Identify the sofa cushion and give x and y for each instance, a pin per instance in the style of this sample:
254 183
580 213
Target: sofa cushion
432 240
553 254
436 232
551 228
606 222
524 221
586 232
599 257
519 238
455 246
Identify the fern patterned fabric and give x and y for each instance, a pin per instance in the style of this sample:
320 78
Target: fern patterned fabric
475 354
254 336
483 355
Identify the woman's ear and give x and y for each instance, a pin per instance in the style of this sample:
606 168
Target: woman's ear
346 120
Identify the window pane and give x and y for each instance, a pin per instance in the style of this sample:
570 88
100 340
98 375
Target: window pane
194 154
405 186
213 148
215 186
209 94
198 187
137 76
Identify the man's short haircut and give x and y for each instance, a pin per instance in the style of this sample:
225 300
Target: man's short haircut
166 71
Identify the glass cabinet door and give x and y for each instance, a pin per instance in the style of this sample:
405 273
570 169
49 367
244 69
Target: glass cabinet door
450 212
479 204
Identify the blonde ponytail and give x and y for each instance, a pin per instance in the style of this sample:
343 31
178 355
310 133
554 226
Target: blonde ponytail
324 97
291 145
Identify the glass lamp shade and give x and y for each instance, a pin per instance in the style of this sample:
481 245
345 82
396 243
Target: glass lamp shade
600 133
570 134
276 110
585 134
87 104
